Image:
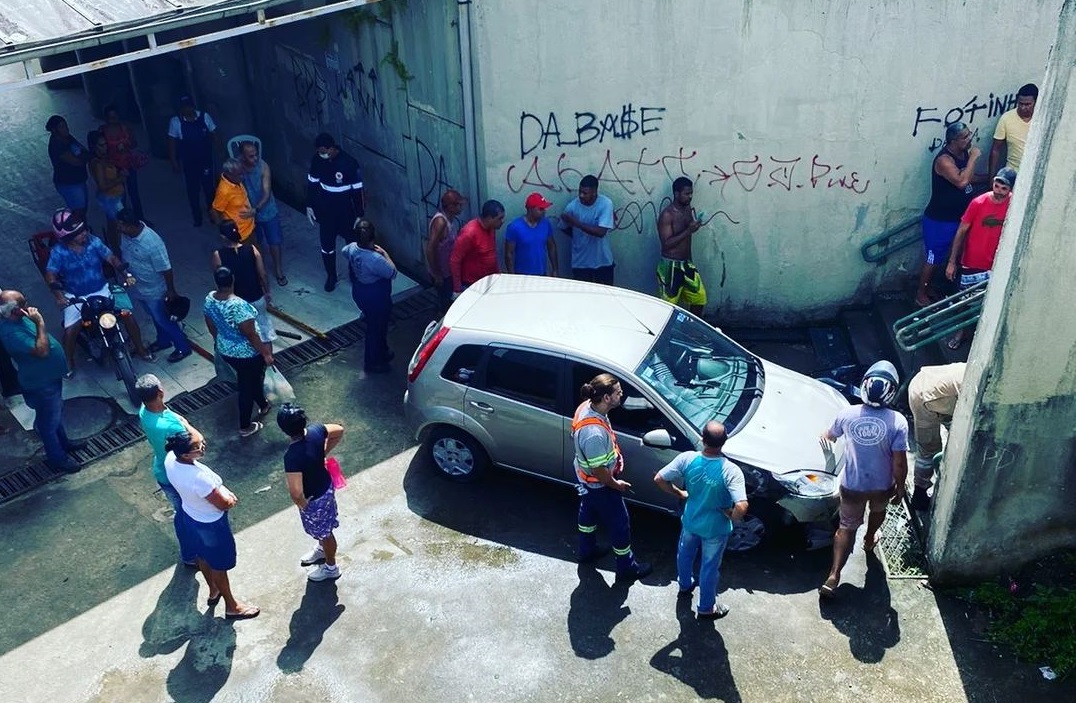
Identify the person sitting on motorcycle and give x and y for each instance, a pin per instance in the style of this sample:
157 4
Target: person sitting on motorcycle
75 270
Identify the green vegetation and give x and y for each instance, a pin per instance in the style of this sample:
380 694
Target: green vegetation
1037 621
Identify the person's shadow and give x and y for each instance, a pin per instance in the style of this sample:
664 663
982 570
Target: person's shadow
595 609
702 661
175 621
865 614
316 613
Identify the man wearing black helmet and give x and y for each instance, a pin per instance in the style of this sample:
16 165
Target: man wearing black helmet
147 258
876 464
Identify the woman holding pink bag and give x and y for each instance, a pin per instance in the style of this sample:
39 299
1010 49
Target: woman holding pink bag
311 485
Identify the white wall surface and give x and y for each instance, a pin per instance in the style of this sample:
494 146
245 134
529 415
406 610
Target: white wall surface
807 126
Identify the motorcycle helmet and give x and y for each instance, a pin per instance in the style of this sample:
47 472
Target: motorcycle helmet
880 384
66 224
178 308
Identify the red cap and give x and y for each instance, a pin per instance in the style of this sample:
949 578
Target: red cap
536 200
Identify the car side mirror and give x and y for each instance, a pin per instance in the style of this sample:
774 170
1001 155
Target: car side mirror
658 438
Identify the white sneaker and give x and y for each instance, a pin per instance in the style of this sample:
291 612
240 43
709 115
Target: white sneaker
324 572
314 556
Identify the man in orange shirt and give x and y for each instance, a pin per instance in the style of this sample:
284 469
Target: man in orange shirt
474 255
231 201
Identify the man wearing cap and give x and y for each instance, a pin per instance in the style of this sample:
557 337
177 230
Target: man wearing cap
192 135
679 281
231 201
441 237
529 247
474 255
976 241
1010 135
158 424
41 370
75 270
335 199
154 287
588 219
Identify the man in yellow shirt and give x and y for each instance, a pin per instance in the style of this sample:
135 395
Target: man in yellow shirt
231 201
1011 133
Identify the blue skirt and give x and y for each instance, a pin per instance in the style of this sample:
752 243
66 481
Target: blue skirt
212 541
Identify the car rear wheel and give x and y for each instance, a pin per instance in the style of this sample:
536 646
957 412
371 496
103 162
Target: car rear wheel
456 455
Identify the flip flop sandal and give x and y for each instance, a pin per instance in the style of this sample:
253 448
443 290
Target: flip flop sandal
254 428
245 614
213 600
262 412
282 280
827 591
954 343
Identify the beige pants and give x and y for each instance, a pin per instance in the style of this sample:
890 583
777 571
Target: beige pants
928 416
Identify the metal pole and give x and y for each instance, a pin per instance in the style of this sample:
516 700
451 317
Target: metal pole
467 74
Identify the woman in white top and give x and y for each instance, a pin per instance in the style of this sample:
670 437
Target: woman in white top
204 526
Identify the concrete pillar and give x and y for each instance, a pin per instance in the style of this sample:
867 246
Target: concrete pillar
1007 491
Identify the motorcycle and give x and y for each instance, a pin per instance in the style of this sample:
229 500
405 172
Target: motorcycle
103 336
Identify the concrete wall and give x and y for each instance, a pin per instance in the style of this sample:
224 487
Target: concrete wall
808 127
332 76
1007 487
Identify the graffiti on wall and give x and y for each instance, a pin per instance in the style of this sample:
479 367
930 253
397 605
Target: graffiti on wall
636 180
975 111
433 175
582 128
359 88
311 91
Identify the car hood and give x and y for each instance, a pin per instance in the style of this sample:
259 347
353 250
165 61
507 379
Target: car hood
782 434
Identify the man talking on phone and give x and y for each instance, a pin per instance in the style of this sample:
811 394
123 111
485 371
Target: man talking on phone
679 281
41 368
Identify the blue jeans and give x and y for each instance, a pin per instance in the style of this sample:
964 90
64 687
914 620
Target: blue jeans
48 406
75 195
375 302
177 504
169 333
709 570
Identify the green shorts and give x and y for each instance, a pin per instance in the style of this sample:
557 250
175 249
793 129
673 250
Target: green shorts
679 283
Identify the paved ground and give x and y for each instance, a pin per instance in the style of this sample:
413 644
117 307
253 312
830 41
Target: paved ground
450 592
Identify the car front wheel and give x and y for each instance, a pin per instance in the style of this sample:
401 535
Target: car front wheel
456 455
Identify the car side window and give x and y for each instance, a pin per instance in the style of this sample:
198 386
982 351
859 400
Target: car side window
523 375
462 366
635 416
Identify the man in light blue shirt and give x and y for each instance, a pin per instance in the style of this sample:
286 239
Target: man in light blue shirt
716 495
588 219
147 260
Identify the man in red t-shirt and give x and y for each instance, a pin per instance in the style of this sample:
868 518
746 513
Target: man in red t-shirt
977 238
474 255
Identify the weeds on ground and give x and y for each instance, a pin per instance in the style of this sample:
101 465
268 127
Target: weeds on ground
1035 615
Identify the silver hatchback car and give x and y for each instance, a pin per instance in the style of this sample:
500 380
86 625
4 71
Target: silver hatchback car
497 380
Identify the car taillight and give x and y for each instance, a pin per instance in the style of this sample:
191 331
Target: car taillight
424 354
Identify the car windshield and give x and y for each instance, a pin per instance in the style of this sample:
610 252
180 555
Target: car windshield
701 373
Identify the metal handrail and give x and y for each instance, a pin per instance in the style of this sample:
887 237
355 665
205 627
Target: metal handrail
882 241
941 319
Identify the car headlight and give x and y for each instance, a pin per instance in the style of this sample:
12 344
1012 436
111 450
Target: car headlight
107 321
809 484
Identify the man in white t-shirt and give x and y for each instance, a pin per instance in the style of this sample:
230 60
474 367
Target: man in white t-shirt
1010 136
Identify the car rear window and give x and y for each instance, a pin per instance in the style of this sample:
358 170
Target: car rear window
462 366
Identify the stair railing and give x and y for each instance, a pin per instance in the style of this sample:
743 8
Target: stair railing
880 246
941 319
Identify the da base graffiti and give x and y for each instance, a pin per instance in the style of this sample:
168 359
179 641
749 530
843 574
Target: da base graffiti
582 128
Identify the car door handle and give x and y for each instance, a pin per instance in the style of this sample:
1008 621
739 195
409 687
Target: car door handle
484 407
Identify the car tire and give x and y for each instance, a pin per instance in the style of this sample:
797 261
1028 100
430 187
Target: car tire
456 455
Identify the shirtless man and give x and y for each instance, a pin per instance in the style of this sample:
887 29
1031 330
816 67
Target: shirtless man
679 281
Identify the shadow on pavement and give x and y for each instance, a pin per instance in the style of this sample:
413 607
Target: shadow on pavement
317 612
206 665
595 609
865 615
698 657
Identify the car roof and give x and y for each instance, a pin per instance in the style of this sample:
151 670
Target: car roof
603 322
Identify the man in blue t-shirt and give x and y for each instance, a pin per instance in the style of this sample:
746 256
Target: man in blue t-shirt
158 423
588 219
716 495
876 464
529 247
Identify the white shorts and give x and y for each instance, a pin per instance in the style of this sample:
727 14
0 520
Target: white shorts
73 312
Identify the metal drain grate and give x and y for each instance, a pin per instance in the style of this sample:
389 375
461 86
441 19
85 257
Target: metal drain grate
128 431
900 545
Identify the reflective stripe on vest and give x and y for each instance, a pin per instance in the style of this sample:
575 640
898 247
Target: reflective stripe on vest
578 423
